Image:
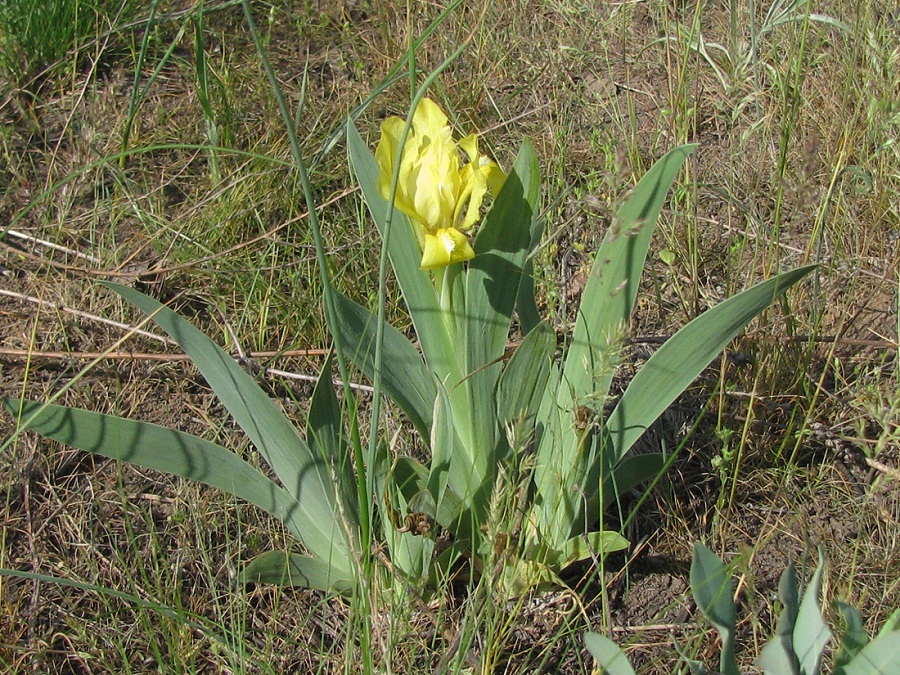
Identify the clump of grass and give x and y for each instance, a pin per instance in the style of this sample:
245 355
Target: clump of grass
37 36
799 135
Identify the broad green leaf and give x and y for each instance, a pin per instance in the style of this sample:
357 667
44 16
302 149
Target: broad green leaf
629 473
303 474
612 285
502 246
405 255
410 552
557 506
524 380
405 378
412 474
696 667
565 457
451 466
291 569
681 359
892 624
811 633
610 658
854 637
585 546
880 657
161 449
526 307
777 656
326 436
491 286
712 591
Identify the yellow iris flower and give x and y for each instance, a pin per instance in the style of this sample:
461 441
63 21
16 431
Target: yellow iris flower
442 198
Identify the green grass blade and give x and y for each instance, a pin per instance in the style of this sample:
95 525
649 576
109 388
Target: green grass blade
879 657
681 359
406 379
712 591
292 569
160 448
610 659
305 476
811 633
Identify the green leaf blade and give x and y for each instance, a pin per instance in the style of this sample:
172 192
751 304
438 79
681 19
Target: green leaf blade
880 657
327 437
406 380
303 474
609 656
611 289
292 569
682 358
159 448
712 591
777 656
523 382
811 633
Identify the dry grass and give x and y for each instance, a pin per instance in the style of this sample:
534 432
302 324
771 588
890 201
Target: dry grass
799 161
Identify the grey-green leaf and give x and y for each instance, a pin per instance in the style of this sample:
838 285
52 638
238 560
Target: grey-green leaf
880 657
159 448
304 475
712 591
492 283
291 569
610 658
777 656
854 637
524 380
681 359
612 285
892 624
405 379
326 437
811 634
630 472
494 275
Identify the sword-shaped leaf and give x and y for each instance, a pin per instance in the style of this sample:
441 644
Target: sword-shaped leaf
160 448
306 476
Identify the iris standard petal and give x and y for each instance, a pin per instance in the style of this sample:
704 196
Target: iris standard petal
431 122
442 199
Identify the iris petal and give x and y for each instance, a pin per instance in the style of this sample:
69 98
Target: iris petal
445 247
442 199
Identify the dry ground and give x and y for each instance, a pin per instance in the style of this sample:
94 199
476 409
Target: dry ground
798 161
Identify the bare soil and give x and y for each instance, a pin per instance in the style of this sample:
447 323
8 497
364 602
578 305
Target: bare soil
805 479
